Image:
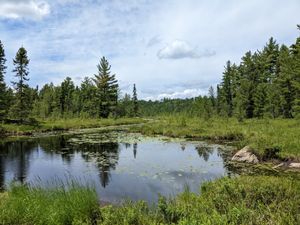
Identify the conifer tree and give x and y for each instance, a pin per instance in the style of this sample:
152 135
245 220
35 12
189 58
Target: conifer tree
135 101
212 97
21 108
295 55
107 89
250 82
3 102
87 97
284 82
66 94
226 90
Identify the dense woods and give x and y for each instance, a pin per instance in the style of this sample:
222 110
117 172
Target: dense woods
266 83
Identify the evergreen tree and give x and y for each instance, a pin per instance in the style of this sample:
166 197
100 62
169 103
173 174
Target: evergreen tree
250 81
66 93
125 106
3 102
219 100
212 97
295 56
21 108
87 97
44 106
284 82
107 89
227 91
135 101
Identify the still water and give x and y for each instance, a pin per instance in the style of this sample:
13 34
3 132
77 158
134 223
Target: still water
119 165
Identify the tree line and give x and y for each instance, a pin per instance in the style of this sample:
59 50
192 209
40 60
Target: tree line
96 97
266 83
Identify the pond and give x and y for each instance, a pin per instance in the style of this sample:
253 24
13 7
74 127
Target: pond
119 165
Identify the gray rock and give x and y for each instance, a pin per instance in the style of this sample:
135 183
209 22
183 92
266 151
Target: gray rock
245 155
294 165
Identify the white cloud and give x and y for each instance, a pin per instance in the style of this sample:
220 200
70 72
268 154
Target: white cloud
70 41
188 93
29 9
181 49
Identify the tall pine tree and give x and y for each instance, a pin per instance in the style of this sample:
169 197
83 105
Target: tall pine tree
295 55
3 102
227 91
135 101
21 108
107 89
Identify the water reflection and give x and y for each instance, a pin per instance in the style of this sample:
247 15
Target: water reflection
134 149
113 165
204 151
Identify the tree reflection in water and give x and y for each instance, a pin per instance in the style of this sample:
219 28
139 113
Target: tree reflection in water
204 151
15 156
104 155
134 150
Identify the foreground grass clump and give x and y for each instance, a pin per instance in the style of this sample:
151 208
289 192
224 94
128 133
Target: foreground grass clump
243 200
263 135
33 205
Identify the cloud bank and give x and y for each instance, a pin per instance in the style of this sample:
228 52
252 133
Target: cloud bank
181 49
28 9
167 48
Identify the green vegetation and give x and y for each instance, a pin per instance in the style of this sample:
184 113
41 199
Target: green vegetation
3 103
21 108
242 200
35 205
107 89
64 124
258 133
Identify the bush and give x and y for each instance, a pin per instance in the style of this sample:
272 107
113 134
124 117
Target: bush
271 153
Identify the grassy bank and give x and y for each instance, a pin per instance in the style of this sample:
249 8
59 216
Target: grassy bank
243 200
64 124
25 205
261 134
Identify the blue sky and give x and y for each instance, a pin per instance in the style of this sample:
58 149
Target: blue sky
169 48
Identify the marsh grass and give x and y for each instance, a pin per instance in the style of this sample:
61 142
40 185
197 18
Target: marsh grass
24 204
244 200
241 200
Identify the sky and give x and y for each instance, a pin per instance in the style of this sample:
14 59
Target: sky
168 48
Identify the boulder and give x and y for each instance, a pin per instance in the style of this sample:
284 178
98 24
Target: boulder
294 165
245 155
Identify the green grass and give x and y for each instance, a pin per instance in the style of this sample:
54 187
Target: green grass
34 205
242 200
259 134
65 124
